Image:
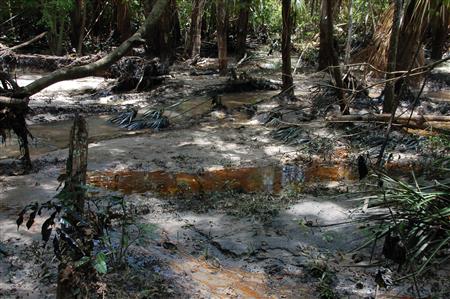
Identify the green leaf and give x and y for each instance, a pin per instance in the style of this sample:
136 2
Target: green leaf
100 263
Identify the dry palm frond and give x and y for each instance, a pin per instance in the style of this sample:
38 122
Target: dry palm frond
376 53
414 23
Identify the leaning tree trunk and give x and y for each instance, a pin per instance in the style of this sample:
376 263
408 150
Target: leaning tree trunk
14 108
242 30
439 29
221 13
328 54
195 35
288 82
91 69
389 91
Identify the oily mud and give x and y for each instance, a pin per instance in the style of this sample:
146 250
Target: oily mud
241 231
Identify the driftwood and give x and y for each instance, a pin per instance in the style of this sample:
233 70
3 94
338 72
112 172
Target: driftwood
418 121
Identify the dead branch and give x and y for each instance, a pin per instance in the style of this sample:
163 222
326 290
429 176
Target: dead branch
29 42
418 122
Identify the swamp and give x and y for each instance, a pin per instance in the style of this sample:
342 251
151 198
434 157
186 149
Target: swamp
224 149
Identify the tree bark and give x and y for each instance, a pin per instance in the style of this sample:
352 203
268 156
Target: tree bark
75 182
326 41
76 165
389 103
164 38
195 36
123 20
288 82
328 54
221 13
78 24
101 64
242 30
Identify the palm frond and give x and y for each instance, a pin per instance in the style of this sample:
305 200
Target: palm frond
419 215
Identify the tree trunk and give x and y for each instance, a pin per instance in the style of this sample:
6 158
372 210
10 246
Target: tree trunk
242 30
389 104
164 38
195 36
348 46
75 182
326 41
288 83
75 23
212 22
328 54
123 20
439 30
101 64
221 13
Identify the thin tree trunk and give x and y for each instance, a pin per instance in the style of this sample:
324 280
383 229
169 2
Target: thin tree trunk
77 25
60 40
82 28
328 54
389 104
325 40
75 182
244 15
288 83
195 37
348 46
221 13
101 64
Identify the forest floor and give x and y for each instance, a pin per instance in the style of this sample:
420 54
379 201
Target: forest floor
238 213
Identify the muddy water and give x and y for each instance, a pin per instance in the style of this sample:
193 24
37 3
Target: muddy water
202 105
439 96
252 179
52 136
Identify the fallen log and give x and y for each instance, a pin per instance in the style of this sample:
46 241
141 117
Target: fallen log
416 122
